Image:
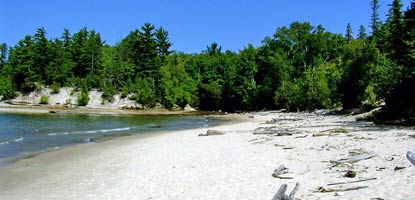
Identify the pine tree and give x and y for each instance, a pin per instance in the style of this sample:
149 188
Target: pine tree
362 33
395 32
349 33
163 43
3 55
375 21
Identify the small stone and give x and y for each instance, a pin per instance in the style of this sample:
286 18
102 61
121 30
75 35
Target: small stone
350 174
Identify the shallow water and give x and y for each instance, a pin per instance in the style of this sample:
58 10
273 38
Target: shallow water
23 134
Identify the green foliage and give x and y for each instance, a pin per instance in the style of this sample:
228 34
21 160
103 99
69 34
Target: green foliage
83 98
6 89
174 92
55 88
289 95
370 95
108 93
144 91
299 67
44 99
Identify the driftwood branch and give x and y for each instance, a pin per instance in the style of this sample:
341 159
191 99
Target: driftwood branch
356 181
296 188
326 190
211 132
276 131
280 195
354 159
279 171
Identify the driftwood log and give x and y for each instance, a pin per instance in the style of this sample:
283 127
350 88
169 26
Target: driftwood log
279 171
326 190
211 132
273 130
354 159
349 182
280 195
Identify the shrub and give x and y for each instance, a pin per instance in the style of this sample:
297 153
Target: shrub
108 93
6 89
44 99
55 88
83 98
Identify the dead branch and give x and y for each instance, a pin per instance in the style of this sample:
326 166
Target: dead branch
356 181
354 159
326 190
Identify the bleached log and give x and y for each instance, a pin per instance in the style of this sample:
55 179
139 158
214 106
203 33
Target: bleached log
280 170
280 195
211 132
354 159
296 188
326 190
356 181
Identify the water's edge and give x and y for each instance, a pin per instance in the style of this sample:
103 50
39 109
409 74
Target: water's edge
186 122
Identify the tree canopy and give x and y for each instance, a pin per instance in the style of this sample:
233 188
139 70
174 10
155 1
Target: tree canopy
300 67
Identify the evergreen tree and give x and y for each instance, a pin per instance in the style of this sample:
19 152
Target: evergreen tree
395 32
375 22
163 43
3 55
362 33
349 33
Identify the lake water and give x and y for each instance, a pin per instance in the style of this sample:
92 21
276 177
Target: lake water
23 134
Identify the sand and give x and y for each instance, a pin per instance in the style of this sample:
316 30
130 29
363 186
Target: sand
237 165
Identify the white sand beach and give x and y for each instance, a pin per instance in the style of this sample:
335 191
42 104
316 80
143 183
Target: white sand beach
236 165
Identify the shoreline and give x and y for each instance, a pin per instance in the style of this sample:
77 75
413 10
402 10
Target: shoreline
236 165
41 109
4 162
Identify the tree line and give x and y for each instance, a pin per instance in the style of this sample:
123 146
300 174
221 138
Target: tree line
300 67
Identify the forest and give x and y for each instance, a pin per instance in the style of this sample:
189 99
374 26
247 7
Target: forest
300 67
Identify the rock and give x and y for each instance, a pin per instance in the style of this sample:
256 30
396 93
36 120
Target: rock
154 126
350 174
188 108
211 132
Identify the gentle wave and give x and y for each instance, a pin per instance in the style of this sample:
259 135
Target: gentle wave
12 141
92 131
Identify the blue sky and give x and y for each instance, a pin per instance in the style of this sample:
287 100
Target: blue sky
192 24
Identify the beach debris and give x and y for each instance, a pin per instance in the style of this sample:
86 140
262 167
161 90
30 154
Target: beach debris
280 195
350 174
326 190
354 159
260 140
281 169
154 126
273 130
411 157
330 132
398 168
349 182
211 132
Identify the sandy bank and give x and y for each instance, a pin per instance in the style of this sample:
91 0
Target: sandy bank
237 165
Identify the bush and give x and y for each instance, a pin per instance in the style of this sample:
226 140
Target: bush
55 88
108 93
6 89
44 99
83 98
